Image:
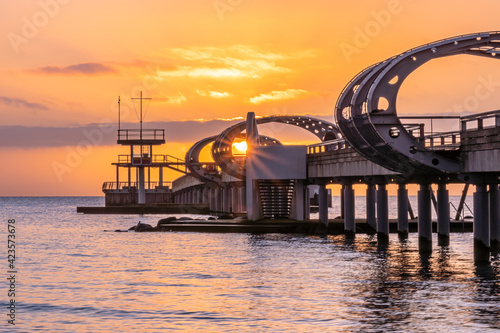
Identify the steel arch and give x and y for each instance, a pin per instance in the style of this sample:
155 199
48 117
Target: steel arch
376 132
199 169
222 147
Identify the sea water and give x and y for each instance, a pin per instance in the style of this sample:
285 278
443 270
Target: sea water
72 276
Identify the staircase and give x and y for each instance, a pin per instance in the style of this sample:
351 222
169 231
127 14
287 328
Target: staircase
276 197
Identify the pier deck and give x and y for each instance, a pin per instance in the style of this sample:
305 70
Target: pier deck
147 209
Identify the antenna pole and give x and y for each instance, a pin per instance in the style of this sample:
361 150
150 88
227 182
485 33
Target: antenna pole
118 115
141 114
140 119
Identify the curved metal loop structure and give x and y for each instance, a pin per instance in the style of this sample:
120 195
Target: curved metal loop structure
208 172
366 109
222 147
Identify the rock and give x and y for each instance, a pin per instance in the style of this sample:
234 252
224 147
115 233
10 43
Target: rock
143 227
166 220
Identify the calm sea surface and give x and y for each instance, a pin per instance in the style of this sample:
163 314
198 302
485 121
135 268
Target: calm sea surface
74 277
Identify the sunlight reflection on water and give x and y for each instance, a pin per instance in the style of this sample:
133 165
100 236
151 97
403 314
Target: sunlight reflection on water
76 278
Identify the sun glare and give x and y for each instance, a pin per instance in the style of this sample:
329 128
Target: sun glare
239 148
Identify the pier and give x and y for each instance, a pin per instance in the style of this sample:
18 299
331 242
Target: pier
368 144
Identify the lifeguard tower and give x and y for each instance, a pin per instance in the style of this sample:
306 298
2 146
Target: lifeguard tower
141 159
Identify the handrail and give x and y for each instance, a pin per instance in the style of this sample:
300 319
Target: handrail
449 139
337 144
168 159
137 134
479 118
108 186
444 140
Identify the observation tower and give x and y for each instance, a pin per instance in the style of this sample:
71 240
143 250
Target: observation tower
139 164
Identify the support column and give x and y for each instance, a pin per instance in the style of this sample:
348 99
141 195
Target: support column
323 204
494 217
117 177
371 200
195 195
382 213
160 176
254 208
481 224
218 199
129 178
342 204
234 199
141 190
424 218
243 199
307 209
349 211
149 178
206 195
212 199
443 212
225 198
402 210
298 201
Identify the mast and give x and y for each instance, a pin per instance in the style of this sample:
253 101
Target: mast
118 114
140 119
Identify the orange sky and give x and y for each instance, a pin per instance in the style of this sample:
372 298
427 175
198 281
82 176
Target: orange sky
63 63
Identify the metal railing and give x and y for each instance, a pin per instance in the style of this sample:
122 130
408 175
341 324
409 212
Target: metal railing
167 159
441 141
481 120
137 134
432 140
332 145
110 186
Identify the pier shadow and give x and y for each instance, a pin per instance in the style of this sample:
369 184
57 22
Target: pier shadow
487 293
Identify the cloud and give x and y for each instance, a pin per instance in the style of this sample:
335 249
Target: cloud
214 94
22 103
238 61
175 131
177 99
278 95
89 68
186 71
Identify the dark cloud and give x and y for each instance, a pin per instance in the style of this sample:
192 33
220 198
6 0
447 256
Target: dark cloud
22 103
105 134
89 68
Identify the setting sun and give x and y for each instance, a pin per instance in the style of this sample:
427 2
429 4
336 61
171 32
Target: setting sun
240 148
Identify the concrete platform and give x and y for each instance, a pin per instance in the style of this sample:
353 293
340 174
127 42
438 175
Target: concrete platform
335 227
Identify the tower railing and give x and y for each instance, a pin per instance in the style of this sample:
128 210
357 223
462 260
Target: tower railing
135 134
132 186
